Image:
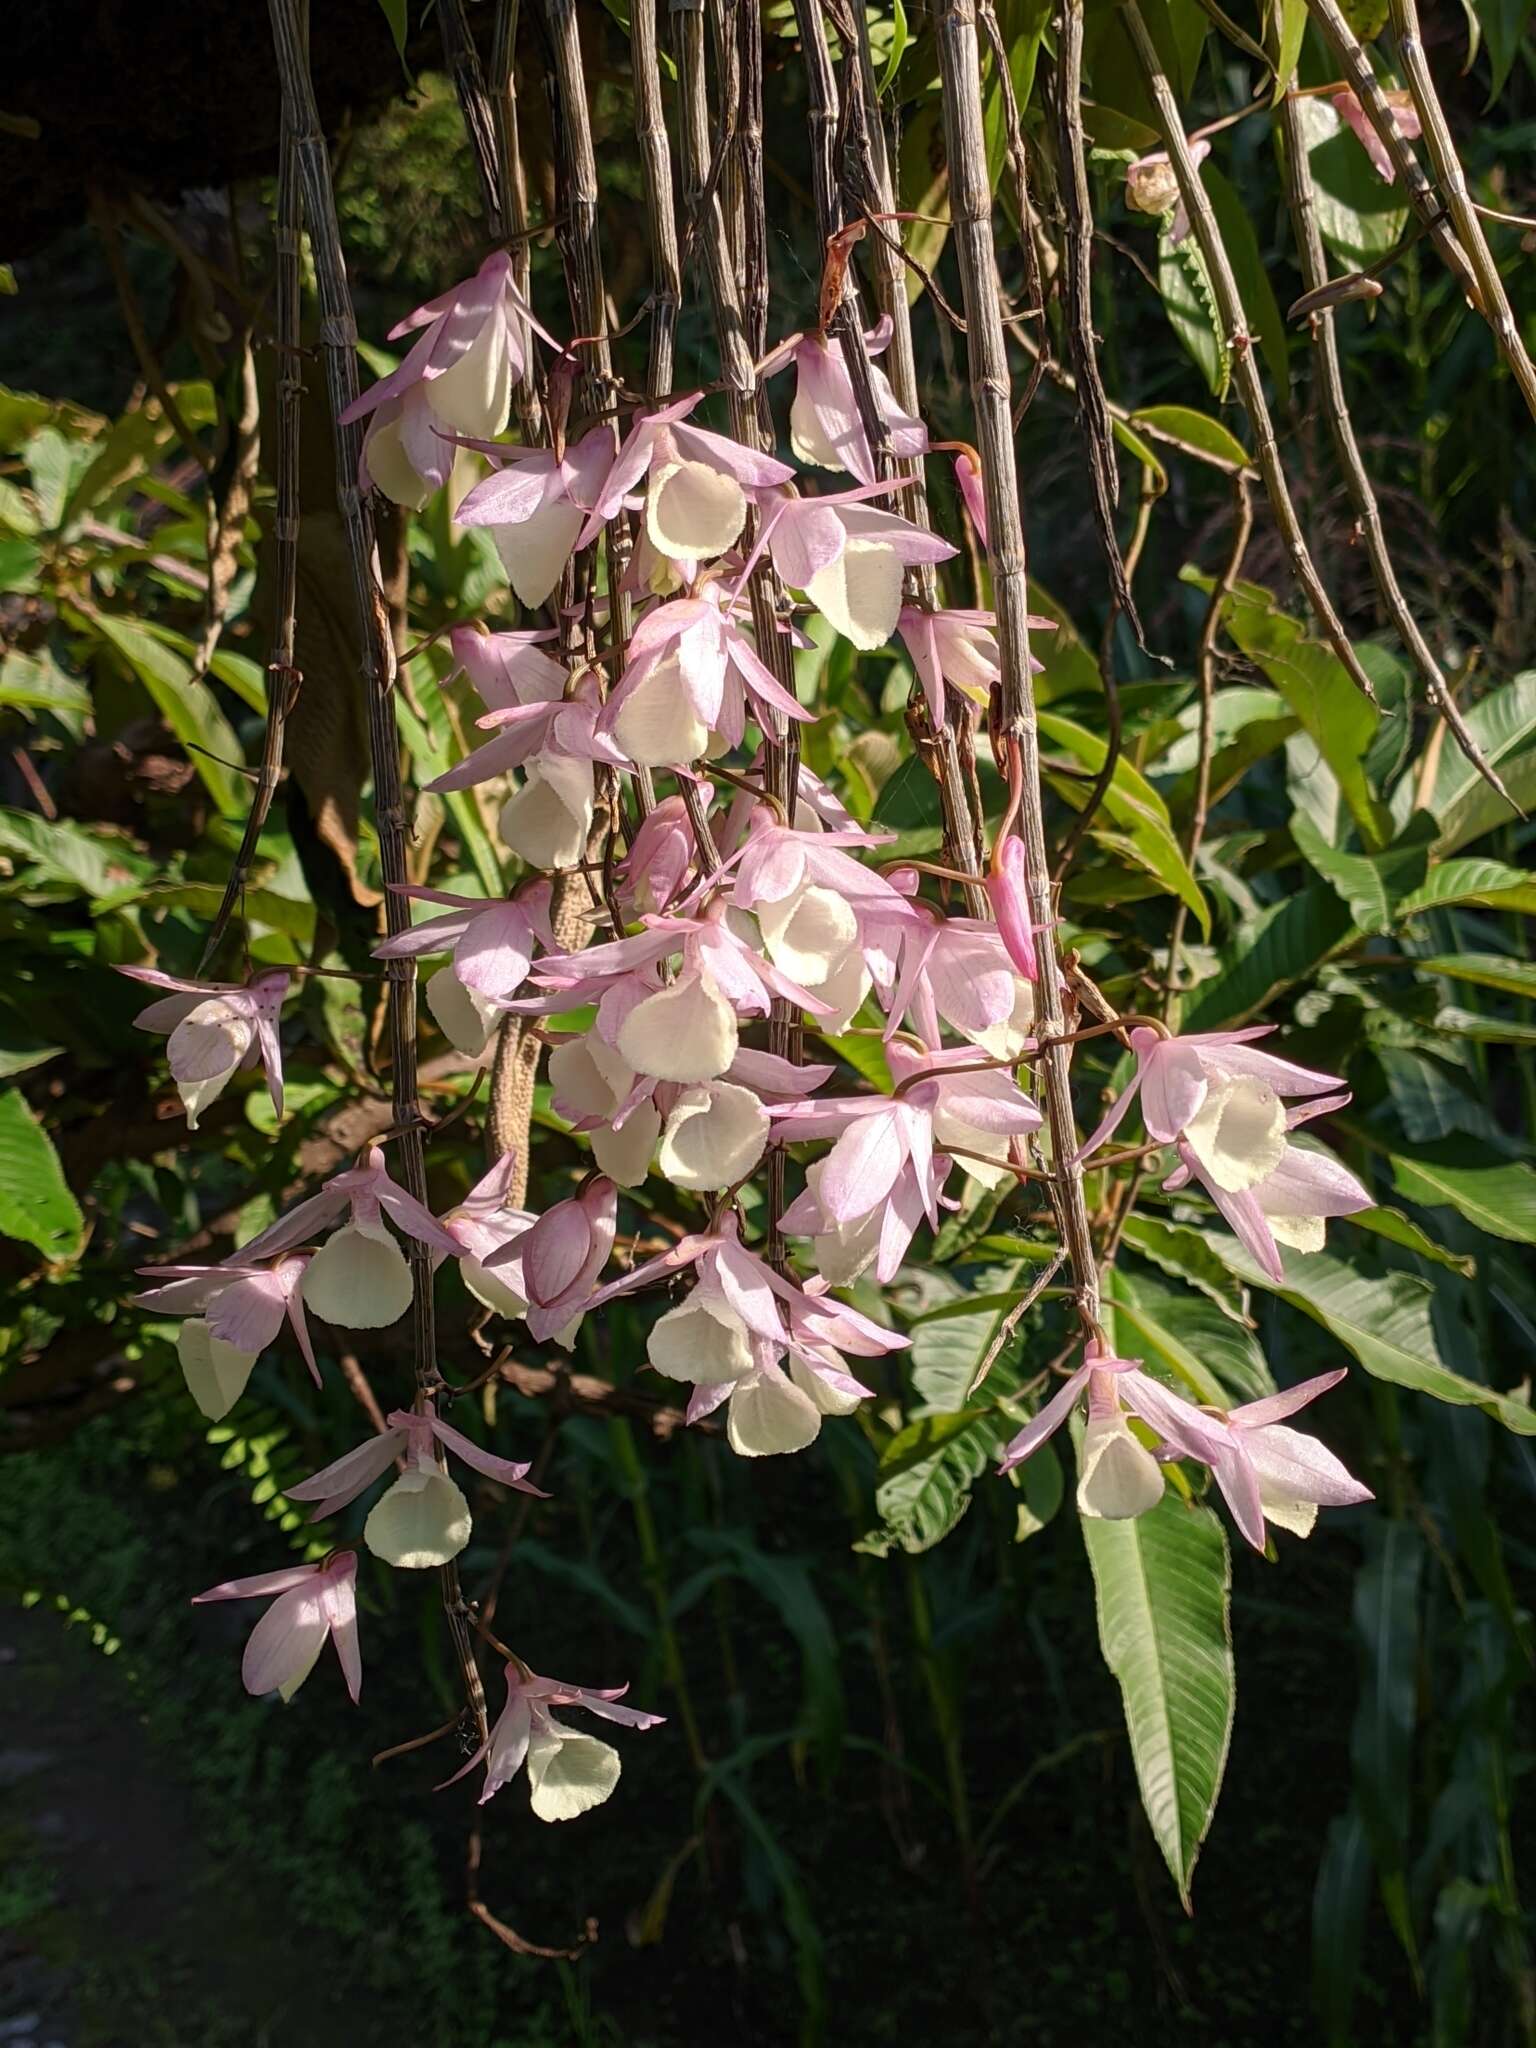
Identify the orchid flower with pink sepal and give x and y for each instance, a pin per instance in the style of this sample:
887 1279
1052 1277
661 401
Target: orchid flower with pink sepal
485 1223
423 1519
558 1258
569 1771
957 647
1405 119
234 1311
216 1028
314 1603
825 428
534 505
848 556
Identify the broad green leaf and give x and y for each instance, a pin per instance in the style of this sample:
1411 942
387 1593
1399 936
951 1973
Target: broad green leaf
1504 725
950 1343
1491 884
1336 717
1499 1196
1384 1319
32 682
1397 1228
1163 1583
1133 804
1371 884
35 1202
1386 1613
1278 948
59 851
431 754
1359 215
923 182
1210 1357
1193 432
1068 667
187 707
923 1486
1285 25
397 14
1183 1251
1505 24
1473 1024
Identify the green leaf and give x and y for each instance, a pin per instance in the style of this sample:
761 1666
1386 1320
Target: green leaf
1190 304
35 1203
30 682
432 753
949 1344
1133 803
1134 445
1340 722
1279 947
1504 725
1194 432
1497 1196
1490 884
1184 1252
1386 1614
59 851
397 14
900 37
1210 1357
1384 1319
785 1582
926 1472
1488 970
188 708
1399 1229
1372 885
1163 1584
1359 216
1068 668
1504 23
1251 276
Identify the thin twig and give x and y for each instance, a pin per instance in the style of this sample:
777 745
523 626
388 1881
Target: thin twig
1240 342
971 211
1077 293
338 343
1242 528
283 677
1330 381
1453 185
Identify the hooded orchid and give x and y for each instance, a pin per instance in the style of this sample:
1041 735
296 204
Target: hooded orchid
696 484
423 1519
534 505
234 1311
1405 119
825 429
216 1028
1152 186
484 1222
1291 1202
958 648
457 379
359 1279
569 1772
557 1260
313 1602
692 673
891 1153
848 556
1265 1471
491 942
959 971
1118 1476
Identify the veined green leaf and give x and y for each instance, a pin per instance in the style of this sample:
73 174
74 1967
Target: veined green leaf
1163 1583
187 707
1211 1358
1491 884
1384 1320
1193 432
1397 1228
35 1202
1184 1252
1371 884
1499 1196
1280 947
1504 725
1488 970
1359 216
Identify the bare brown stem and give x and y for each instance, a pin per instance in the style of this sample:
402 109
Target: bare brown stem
971 211
1240 343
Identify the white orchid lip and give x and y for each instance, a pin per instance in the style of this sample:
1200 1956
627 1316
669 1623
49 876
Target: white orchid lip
358 1280
714 1137
421 1521
1238 1133
683 1033
808 933
216 1373
702 1341
693 512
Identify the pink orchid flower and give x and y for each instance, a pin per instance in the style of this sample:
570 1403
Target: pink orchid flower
960 971
691 672
457 379
1118 1476
1009 898
314 1602
968 483
958 648
534 505
216 1029
234 1312
824 425
1265 1471
560 1256
1152 186
696 484
1405 119
849 557
423 1519
359 1279
890 1147
505 669
484 1223
686 1029
568 1772
1175 1076
661 857
1290 1203
491 943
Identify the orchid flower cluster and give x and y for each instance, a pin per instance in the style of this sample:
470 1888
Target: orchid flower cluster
723 910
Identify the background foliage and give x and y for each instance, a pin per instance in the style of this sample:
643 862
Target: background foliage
895 1757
